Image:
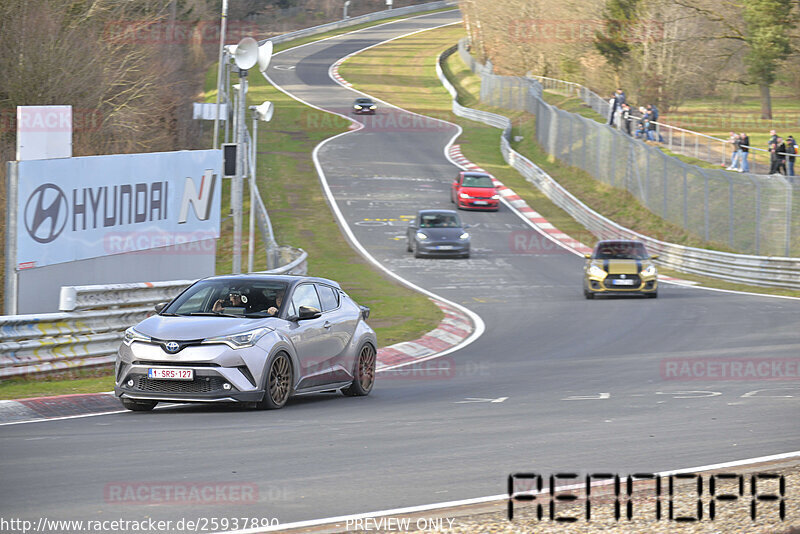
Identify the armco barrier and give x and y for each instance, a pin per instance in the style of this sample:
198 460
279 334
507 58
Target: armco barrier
34 344
740 268
361 19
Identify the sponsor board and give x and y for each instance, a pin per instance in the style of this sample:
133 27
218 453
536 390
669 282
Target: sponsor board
79 208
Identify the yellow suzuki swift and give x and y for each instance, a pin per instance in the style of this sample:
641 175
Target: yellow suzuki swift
620 267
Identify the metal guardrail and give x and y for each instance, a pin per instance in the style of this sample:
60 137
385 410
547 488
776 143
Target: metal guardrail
739 268
35 344
361 19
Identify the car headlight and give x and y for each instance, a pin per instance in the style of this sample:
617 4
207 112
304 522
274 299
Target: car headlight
463 195
372 107
596 272
650 270
131 335
495 197
421 236
465 235
239 341
357 107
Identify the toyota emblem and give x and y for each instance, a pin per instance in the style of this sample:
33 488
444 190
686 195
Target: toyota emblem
46 213
172 347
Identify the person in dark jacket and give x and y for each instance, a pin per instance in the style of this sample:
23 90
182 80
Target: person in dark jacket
772 145
744 146
780 153
791 149
618 100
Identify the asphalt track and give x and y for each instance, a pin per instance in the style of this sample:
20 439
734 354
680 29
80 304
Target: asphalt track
582 380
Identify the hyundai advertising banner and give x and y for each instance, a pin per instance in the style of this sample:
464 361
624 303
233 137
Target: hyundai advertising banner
77 208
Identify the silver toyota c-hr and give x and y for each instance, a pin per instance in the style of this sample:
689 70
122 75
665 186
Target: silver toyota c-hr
253 338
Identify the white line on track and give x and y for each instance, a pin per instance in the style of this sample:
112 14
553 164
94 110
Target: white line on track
477 321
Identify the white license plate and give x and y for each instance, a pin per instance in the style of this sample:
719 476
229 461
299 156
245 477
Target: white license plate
480 203
164 373
623 282
444 247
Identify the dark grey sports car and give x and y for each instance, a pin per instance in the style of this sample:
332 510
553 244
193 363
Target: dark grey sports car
364 106
437 233
253 338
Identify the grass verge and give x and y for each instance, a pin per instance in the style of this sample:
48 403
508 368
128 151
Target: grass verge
300 217
403 72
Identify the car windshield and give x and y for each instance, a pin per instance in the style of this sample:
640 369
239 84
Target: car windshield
363 101
477 181
621 251
439 220
229 297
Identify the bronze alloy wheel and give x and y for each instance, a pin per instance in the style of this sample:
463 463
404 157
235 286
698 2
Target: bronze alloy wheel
280 379
364 373
366 367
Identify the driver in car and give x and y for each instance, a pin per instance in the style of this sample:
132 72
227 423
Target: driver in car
235 300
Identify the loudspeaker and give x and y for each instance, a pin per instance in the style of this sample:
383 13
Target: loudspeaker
265 111
246 54
264 57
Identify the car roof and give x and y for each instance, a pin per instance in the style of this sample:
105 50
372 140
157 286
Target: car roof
431 211
290 279
473 173
613 242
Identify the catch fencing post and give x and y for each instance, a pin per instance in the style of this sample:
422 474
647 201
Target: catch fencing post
10 290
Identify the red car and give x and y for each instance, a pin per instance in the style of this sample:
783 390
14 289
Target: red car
474 190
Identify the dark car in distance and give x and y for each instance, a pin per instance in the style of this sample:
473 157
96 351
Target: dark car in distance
364 106
435 232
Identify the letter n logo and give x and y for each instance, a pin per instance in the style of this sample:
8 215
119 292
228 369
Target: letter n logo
201 201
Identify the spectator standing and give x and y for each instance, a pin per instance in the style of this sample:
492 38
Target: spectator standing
791 150
735 141
780 152
627 118
744 147
772 145
616 104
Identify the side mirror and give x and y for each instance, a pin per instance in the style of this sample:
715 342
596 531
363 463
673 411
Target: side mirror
307 312
364 312
587 256
160 306
654 257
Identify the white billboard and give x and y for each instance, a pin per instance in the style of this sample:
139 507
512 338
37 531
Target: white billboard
44 132
88 207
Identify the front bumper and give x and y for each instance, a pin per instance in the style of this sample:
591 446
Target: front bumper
478 204
435 249
223 379
607 286
364 111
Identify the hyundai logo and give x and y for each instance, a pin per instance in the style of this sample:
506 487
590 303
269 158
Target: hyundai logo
172 347
622 276
46 213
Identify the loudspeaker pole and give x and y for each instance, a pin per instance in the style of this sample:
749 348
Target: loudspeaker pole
238 183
